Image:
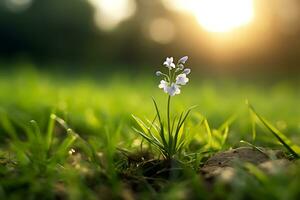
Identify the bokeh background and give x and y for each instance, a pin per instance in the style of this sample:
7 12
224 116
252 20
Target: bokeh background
245 37
87 66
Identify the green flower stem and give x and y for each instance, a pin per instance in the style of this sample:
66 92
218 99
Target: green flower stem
168 116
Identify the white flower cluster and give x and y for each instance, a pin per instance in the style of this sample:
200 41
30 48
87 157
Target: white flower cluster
175 78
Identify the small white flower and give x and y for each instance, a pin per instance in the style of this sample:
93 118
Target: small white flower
168 84
173 89
164 85
186 71
169 63
183 59
181 79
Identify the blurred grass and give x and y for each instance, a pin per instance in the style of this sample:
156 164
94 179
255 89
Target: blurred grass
88 104
99 111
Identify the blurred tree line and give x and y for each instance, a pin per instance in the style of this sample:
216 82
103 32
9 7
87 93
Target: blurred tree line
64 31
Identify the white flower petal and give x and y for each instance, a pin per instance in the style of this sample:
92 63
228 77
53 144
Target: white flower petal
163 84
181 79
173 89
170 60
169 63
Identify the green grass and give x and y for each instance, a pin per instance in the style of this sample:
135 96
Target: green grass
45 115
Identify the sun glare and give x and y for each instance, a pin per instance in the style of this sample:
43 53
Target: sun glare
223 15
109 13
218 15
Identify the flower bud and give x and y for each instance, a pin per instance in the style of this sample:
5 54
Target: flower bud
158 73
186 71
181 66
183 59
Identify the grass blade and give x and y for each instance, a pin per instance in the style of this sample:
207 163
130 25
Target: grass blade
157 111
142 125
228 122
50 130
279 135
7 125
206 125
146 129
150 140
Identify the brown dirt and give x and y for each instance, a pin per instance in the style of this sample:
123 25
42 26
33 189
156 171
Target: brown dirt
224 162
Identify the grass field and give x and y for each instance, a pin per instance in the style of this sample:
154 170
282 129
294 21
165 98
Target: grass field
70 136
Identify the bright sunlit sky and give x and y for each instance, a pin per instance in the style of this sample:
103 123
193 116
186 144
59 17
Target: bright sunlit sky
217 15
212 15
